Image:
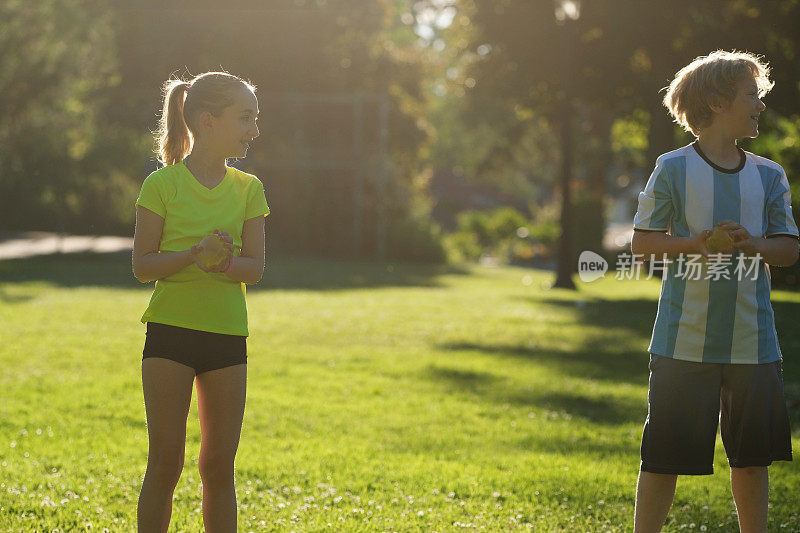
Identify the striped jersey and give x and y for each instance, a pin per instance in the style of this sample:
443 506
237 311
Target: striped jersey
714 318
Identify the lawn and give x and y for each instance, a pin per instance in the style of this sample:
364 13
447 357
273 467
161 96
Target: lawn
380 398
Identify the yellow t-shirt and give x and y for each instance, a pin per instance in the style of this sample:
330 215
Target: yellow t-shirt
192 298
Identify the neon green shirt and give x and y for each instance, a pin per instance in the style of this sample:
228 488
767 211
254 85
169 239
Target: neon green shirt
192 298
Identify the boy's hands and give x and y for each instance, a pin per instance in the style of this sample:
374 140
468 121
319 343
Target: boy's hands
222 266
741 237
699 243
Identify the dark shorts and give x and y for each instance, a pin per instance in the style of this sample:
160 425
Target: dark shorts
200 350
686 403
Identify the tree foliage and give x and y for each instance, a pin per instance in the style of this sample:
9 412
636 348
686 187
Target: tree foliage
474 87
56 59
613 61
81 88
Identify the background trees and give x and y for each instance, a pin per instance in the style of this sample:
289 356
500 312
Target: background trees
470 91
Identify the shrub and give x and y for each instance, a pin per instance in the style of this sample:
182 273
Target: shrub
504 233
417 241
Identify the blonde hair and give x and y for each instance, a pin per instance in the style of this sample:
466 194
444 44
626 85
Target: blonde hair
711 80
184 102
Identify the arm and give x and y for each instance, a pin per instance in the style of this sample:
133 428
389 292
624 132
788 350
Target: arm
780 247
654 217
148 263
778 250
659 243
249 266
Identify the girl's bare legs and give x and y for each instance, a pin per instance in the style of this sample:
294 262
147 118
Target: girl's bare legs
220 402
167 388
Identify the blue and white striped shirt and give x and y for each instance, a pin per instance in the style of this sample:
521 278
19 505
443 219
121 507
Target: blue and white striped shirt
715 320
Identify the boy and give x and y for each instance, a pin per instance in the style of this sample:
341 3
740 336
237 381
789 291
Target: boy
714 345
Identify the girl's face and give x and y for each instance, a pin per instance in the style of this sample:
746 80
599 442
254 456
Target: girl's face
236 127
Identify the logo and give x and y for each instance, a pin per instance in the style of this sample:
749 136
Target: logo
591 266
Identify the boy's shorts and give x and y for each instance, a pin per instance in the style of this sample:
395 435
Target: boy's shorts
201 350
687 401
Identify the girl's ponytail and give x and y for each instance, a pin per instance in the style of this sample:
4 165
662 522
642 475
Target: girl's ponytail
212 92
174 138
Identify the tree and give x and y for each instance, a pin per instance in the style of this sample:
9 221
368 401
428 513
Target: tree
626 51
55 58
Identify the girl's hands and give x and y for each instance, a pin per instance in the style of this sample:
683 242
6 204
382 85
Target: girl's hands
222 266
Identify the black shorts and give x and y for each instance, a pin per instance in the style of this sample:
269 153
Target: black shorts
200 350
686 403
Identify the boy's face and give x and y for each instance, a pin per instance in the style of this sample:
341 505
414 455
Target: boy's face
740 117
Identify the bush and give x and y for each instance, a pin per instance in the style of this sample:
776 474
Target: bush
416 240
504 223
462 246
476 224
505 234
546 234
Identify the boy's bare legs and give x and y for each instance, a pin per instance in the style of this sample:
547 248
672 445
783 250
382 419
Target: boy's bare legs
654 494
220 401
750 487
167 388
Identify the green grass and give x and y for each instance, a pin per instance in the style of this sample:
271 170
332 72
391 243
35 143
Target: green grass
404 398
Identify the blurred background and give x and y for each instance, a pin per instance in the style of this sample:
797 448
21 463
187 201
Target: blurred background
391 130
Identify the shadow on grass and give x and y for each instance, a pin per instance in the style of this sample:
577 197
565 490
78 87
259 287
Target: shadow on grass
576 404
460 379
560 404
114 270
595 361
596 364
72 270
13 298
585 445
637 315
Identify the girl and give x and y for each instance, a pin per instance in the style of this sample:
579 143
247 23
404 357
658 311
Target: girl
197 317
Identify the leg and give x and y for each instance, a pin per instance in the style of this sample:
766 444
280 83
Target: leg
167 387
755 431
654 494
220 401
679 434
750 487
